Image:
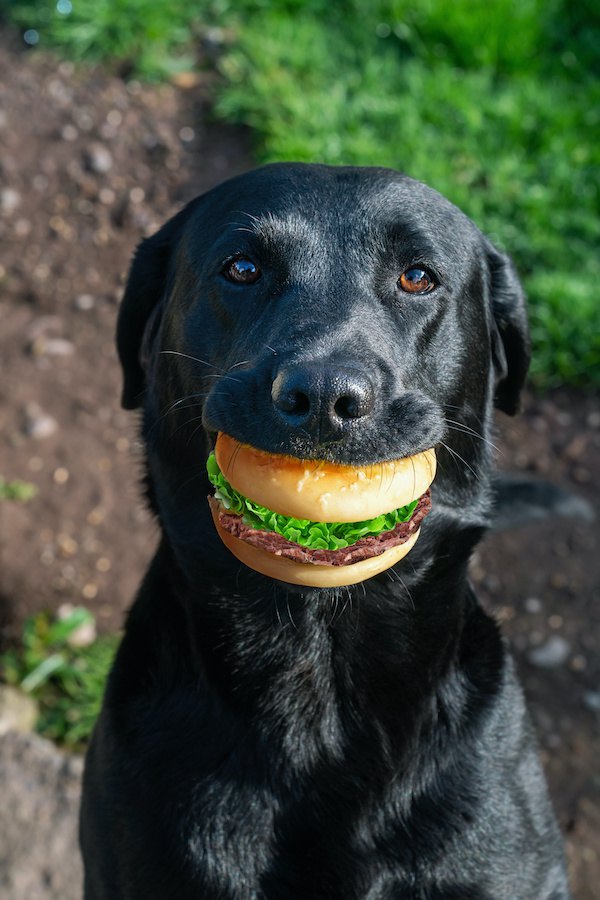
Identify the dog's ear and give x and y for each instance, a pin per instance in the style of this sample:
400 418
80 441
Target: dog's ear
141 307
510 331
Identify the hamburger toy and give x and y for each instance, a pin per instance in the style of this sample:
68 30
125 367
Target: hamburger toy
313 522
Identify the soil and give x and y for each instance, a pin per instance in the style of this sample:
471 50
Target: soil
89 166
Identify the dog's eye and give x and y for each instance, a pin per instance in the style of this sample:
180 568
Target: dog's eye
242 270
416 281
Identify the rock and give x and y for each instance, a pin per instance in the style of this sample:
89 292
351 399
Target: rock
9 200
38 424
44 346
533 605
592 700
18 711
40 790
99 159
84 302
552 653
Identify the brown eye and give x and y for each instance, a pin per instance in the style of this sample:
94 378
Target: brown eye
416 281
242 270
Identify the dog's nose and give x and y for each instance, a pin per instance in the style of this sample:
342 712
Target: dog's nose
322 398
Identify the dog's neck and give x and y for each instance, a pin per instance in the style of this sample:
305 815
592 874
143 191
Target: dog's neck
323 664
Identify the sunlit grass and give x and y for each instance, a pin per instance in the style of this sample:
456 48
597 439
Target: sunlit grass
65 670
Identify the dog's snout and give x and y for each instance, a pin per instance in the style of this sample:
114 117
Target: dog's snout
322 398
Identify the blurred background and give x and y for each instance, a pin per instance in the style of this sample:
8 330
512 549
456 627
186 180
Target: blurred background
113 113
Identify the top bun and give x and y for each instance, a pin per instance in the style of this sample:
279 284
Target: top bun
322 491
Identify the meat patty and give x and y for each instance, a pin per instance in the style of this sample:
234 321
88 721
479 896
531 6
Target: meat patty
364 548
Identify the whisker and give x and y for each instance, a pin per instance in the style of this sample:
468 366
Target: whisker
406 590
203 362
287 600
458 456
461 409
461 428
183 400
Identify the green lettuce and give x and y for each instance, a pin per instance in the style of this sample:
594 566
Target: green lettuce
314 535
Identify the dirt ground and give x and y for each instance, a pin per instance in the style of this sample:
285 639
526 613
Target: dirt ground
88 166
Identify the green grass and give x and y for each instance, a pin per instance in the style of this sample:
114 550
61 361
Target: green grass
17 491
66 679
496 104
152 40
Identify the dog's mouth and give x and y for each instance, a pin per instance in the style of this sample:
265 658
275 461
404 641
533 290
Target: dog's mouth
313 522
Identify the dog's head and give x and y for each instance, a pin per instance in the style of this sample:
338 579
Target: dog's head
346 314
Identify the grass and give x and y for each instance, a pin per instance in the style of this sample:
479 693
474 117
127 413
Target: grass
152 40
17 491
495 104
64 674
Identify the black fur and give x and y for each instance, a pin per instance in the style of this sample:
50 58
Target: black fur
263 741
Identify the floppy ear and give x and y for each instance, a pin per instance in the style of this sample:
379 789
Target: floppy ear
141 305
510 331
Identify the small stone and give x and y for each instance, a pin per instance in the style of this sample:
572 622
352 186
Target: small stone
99 159
96 516
22 228
10 200
67 545
39 425
592 700
576 448
578 663
114 118
186 80
83 636
53 347
69 133
533 605
60 475
505 613
84 302
551 654
593 419
564 418
89 591
186 134
107 196
137 194
18 711
47 557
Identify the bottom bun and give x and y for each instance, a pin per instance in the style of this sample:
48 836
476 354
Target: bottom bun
293 572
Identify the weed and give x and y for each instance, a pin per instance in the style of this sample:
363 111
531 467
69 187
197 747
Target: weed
18 491
65 675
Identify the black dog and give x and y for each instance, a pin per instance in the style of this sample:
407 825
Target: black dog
263 741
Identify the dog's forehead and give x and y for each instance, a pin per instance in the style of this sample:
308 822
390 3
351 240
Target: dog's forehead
317 204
